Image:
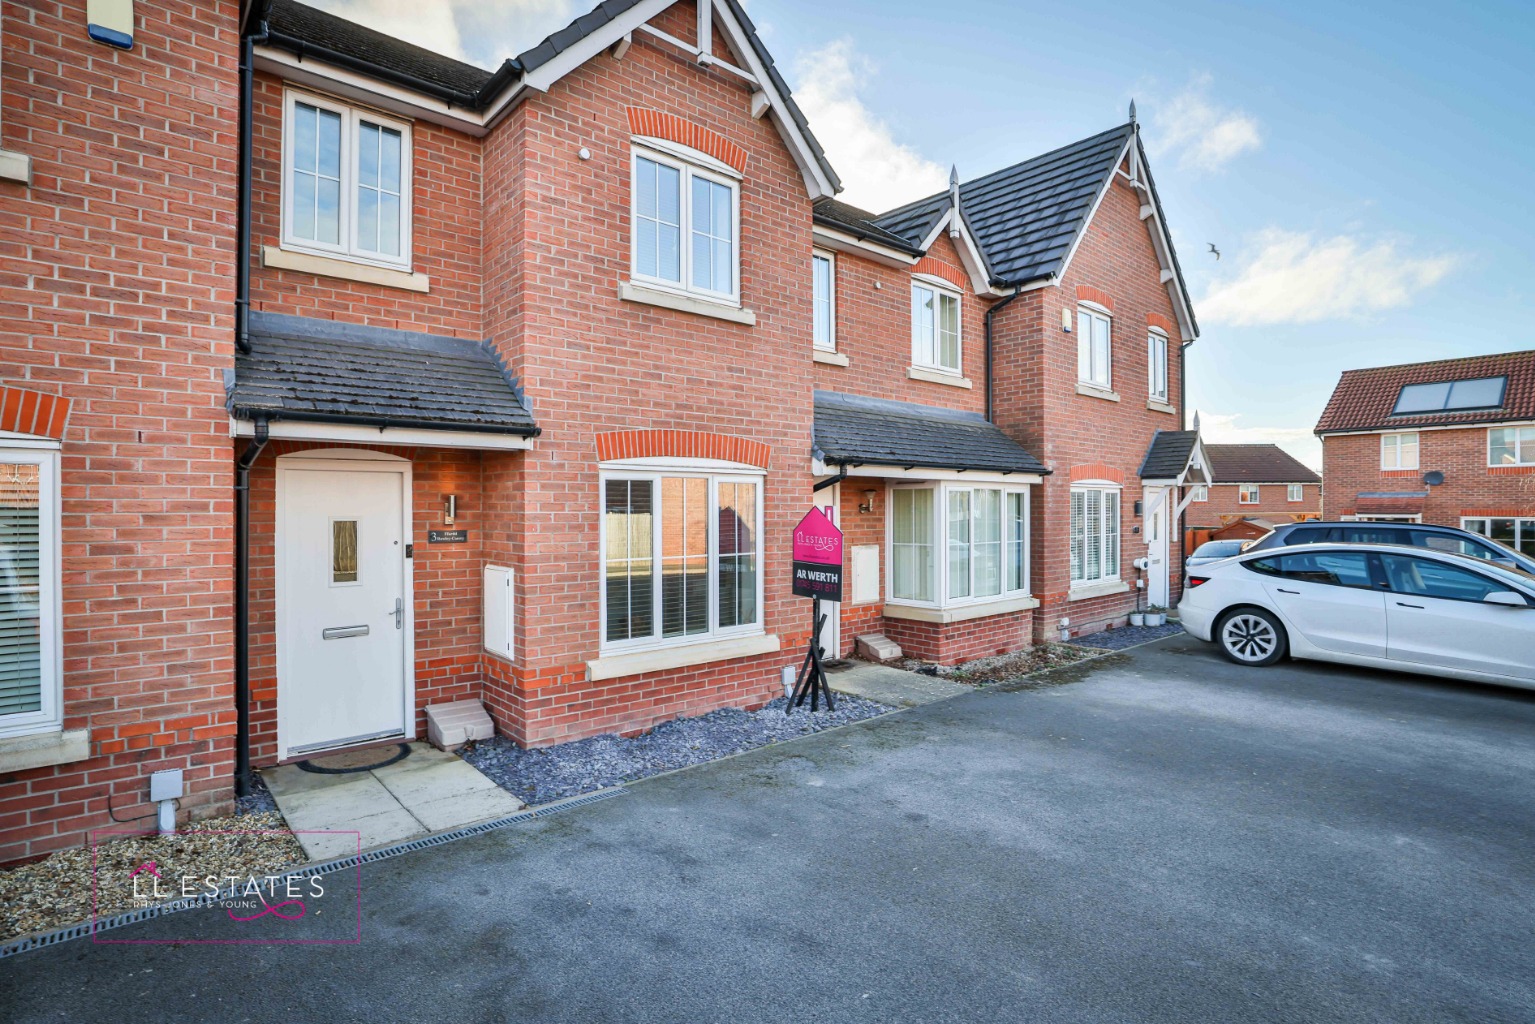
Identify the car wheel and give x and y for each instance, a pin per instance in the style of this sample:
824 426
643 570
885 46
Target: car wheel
1251 636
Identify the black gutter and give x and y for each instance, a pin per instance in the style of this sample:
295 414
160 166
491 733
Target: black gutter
381 422
243 208
886 240
476 100
242 609
990 312
830 481
918 464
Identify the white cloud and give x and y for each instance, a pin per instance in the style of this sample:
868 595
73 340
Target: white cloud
1223 428
877 172
1295 278
1202 133
482 32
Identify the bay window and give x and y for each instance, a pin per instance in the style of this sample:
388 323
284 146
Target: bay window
346 182
954 544
935 341
29 590
684 234
1094 352
681 558
1511 446
1094 535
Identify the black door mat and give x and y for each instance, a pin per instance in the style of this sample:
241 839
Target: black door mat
350 761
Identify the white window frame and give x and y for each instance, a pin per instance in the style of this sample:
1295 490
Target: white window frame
1092 311
351 127
1156 362
1523 525
50 716
654 471
1201 493
1524 451
1243 490
689 165
1396 449
830 344
939 542
938 287
1104 487
1295 492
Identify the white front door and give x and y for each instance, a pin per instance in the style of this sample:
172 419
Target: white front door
342 605
831 634
1158 527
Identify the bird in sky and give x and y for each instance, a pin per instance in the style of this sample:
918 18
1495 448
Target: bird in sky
1214 249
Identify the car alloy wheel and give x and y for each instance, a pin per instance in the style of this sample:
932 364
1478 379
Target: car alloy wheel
1250 638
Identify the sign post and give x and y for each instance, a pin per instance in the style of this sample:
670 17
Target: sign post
817 574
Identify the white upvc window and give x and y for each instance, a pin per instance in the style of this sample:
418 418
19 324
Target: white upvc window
958 544
823 275
1247 494
1511 446
346 182
31 669
1201 492
1094 348
935 327
1399 451
1297 492
681 557
1094 534
1516 533
1156 363
685 217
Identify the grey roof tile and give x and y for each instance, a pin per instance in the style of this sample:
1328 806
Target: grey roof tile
1168 454
305 369
859 223
854 430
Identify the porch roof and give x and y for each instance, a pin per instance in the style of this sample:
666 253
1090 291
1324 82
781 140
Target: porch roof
327 372
853 430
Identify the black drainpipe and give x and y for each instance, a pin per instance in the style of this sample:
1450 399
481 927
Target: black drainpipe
831 480
243 214
990 312
242 609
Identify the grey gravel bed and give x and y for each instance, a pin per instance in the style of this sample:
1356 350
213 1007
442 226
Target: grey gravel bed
553 773
1126 636
260 800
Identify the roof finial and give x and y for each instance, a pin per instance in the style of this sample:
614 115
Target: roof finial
954 198
953 175
1132 111
1196 421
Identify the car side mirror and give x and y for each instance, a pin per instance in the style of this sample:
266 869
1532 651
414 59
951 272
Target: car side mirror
1506 598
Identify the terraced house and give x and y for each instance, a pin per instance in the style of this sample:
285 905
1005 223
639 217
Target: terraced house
430 383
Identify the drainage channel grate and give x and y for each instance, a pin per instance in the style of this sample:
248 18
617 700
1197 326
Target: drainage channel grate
84 928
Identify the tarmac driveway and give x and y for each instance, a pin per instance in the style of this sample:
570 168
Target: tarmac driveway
1166 838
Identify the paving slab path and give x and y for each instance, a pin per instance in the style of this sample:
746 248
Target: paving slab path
889 685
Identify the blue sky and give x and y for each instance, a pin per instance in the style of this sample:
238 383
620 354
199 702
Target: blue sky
1362 167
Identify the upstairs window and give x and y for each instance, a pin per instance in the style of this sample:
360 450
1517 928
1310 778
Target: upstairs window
1247 494
1399 451
1450 396
1201 492
1511 446
1156 363
346 182
824 302
1094 352
1297 492
935 342
685 227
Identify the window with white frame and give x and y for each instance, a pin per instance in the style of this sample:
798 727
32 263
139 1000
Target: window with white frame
1399 451
1247 494
685 216
30 697
346 182
1201 492
1518 534
1156 364
935 341
1094 350
1511 446
958 544
1297 492
1094 534
823 274
681 557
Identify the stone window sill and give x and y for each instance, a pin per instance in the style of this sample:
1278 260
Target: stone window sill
41 749
615 666
630 292
953 380
1091 590
960 613
1094 391
1156 406
346 270
15 167
820 355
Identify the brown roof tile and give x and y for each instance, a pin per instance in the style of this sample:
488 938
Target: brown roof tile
1363 399
1257 464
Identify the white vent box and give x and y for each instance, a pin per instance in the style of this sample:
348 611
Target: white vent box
499 611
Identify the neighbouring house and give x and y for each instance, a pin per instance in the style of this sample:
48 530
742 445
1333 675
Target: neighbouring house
510 386
1450 442
1254 481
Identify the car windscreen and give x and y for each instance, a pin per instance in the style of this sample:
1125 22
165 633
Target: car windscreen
1218 549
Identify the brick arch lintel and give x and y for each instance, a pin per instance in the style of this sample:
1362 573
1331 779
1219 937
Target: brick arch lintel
937 268
1087 293
658 124
33 412
681 444
1096 471
1162 323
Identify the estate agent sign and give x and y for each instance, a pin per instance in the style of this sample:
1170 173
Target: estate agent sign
817 557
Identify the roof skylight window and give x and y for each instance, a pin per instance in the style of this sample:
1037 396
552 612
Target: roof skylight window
1450 396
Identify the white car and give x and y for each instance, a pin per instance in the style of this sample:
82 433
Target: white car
1377 605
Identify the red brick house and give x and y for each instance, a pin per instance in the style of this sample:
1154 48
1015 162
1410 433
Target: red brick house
511 385
1450 442
1255 481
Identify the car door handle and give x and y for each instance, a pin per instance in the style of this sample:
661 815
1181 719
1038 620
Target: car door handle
1404 604
1282 590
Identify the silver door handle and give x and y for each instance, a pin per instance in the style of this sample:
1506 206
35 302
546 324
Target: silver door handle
399 613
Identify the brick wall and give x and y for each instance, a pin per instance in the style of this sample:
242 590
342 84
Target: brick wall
1273 504
950 643
1351 464
116 291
